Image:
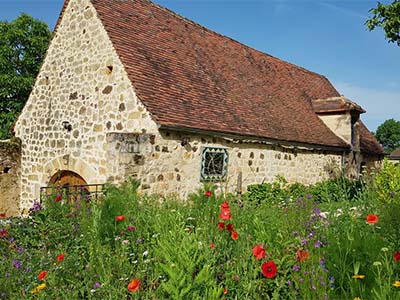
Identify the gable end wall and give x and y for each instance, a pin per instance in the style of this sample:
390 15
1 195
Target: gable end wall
75 84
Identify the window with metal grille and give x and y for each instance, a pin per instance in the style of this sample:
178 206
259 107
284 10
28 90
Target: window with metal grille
214 163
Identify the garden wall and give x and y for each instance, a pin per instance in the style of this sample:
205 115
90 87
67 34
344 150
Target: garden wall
10 175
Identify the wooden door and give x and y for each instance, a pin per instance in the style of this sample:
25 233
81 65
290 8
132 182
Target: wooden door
71 185
67 178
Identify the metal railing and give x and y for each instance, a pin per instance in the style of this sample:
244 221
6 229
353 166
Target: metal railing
73 193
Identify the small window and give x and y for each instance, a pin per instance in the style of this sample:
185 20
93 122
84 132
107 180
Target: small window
214 163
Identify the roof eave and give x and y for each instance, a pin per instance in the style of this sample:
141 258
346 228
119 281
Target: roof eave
263 140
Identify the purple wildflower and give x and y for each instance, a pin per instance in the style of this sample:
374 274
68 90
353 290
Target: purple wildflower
322 262
301 280
332 278
304 242
289 282
314 287
36 206
317 244
28 270
96 285
296 268
131 228
17 264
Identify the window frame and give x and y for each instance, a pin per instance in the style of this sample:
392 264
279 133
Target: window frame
214 177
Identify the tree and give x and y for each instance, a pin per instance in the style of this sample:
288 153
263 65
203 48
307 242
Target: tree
388 17
23 43
388 134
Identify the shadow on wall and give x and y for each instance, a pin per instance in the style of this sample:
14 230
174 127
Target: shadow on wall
10 175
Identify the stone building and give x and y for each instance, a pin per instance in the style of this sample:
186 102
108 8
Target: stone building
129 88
394 156
10 177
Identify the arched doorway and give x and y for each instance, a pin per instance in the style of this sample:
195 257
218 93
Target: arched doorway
70 185
63 178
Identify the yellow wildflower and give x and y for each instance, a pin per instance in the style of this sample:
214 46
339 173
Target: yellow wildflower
357 298
396 284
38 288
358 276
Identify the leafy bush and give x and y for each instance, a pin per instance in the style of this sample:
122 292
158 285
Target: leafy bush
387 183
280 191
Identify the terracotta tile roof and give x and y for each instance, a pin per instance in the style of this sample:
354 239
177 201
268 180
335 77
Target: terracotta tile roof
395 155
368 143
336 104
190 77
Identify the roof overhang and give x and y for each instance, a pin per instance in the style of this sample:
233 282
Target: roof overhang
235 138
336 105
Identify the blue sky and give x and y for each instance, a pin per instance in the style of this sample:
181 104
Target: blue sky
325 36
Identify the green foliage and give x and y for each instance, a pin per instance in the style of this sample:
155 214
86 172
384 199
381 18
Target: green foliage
386 16
276 192
119 202
23 43
177 250
332 190
388 134
387 183
340 189
188 273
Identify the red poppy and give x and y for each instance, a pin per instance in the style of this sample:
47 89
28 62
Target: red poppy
225 291
221 226
3 215
42 275
224 205
58 198
396 256
208 194
134 285
3 233
212 245
234 235
258 252
60 257
372 219
229 227
269 269
225 215
302 255
120 218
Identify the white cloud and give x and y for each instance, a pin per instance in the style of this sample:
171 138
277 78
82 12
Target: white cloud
343 10
379 104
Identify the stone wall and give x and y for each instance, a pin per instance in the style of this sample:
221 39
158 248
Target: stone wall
165 166
83 115
10 173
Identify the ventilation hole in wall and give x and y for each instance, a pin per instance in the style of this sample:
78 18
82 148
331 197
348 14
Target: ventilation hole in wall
109 69
6 170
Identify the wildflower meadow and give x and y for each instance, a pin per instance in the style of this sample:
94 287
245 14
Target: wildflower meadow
338 239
